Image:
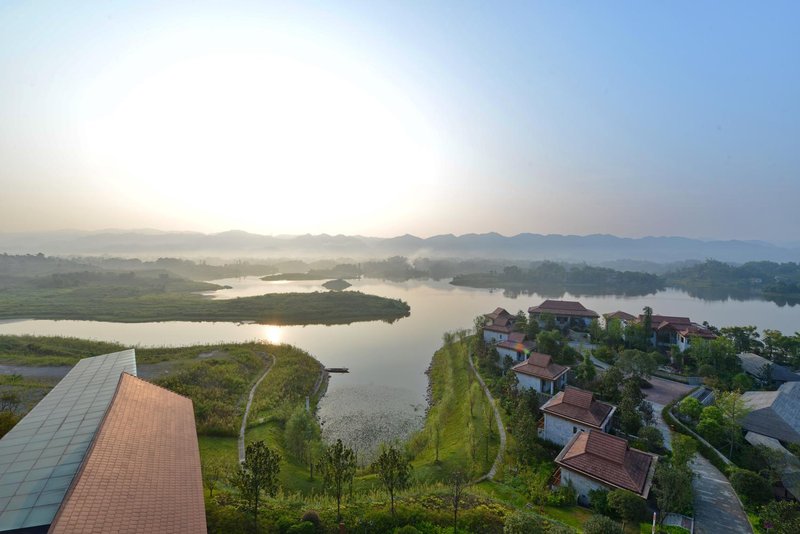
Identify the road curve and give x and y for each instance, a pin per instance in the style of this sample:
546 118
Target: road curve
501 431
247 407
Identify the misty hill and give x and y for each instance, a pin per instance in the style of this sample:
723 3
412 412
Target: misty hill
591 248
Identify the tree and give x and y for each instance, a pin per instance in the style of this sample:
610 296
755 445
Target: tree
609 385
550 342
626 504
683 450
458 481
600 524
614 333
338 467
632 407
301 432
585 372
394 472
636 363
647 323
719 354
673 488
711 425
691 408
436 441
214 472
596 331
521 322
651 439
744 338
742 382
257 475
733 409
752 487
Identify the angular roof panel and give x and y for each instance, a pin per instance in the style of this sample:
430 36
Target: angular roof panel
142 473
40 456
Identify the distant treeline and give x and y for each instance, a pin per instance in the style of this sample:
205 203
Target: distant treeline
711 279
550 276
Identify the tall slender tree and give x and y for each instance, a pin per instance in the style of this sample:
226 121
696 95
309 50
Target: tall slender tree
394 472
257 476
338 467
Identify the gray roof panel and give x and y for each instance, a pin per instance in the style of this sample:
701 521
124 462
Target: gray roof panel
40 456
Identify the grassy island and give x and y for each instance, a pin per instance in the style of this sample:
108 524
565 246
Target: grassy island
135 297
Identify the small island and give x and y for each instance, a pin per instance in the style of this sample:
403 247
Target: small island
337 285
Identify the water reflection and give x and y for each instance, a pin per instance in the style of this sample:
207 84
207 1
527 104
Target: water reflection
386 384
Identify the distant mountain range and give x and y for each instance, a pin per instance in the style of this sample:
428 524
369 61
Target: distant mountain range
597 248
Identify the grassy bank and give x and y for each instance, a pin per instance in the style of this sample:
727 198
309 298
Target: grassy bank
135 298
460 414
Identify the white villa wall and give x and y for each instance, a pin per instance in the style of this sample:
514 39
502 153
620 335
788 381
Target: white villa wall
560 430
530 382
583 485
494 337
514 355
543 386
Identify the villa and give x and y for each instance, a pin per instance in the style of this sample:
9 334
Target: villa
566 313
595 460
572 411
668 330
540 374
756 366
624 318
775 414
516 347
499 324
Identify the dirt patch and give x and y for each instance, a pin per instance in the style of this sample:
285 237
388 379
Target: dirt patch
221 354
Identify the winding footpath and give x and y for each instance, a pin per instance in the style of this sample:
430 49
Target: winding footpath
501 431
247 407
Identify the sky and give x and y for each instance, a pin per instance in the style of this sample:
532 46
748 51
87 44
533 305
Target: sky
385 118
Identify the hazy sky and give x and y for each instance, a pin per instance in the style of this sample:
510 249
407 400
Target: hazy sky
381 118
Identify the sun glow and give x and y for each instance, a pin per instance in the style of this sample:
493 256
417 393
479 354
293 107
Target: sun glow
262 140
272 334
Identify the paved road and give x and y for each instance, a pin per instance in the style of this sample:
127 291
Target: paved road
665 391
247 408
716 507
661 424
501 431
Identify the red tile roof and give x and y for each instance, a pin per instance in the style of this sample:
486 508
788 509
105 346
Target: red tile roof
621 315
541 366
498 312
609 459
142 473
563 307
580 406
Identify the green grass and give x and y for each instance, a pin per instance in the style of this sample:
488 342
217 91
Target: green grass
138 297
451 381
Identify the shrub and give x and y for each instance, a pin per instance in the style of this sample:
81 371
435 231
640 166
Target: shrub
600 524
523 523
691 408
312 517
563 496
408 529
598 501
752 487
305 527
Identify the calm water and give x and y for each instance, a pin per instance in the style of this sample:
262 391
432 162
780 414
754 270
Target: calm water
383 396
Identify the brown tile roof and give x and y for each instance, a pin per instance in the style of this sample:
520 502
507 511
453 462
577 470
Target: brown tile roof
498 312
541 366
142 473
578 405
563 307
609 459
697 331
621 315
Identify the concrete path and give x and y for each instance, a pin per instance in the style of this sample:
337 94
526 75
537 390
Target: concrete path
716 507
247 407
501 430
662 425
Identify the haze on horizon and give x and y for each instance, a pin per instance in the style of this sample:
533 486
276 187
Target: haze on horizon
385 118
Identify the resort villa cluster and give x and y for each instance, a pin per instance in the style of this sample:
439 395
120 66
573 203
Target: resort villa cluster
591 458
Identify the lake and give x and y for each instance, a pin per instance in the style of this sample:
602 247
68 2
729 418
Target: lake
383 396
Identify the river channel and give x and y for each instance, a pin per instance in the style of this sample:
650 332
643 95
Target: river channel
382 398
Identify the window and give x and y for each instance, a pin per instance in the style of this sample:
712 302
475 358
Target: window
574 429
